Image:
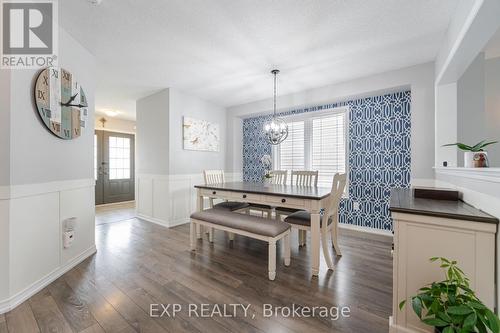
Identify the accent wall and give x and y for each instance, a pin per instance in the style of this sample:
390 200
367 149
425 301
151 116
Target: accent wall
379 154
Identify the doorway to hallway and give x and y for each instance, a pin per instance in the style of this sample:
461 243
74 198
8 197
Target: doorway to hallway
114 167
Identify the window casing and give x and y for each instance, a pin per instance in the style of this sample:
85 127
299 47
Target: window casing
316 141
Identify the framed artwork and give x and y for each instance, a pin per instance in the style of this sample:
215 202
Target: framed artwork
200 135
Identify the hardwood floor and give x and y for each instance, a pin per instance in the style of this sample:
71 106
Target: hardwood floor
139 264
114 213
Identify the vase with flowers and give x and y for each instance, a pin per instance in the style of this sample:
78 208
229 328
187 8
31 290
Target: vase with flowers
267 163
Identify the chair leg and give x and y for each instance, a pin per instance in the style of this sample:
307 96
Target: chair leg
286 247
335 231
272 260
299 237
211 235
192 235
304 237
324 245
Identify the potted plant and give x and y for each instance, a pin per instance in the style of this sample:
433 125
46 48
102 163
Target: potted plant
450 306
267 162
474 156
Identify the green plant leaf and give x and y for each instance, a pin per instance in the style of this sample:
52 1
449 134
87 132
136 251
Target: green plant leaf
470 320
459 310
416 304
444 316
493 322
478 145
402 304
436 322
476 305
480 326
460 146
448 329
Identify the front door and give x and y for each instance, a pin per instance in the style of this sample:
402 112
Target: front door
114 167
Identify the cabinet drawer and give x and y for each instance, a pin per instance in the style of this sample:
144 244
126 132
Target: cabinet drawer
286 202
248 197
215 194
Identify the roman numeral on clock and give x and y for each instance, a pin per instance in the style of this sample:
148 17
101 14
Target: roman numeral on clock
41 95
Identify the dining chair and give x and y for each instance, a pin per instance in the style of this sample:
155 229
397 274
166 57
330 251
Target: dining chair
278 177
329 221
299 178
304 178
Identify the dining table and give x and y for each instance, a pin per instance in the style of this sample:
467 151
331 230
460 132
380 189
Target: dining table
310 198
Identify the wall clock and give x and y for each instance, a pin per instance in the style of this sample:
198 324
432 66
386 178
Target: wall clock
61 102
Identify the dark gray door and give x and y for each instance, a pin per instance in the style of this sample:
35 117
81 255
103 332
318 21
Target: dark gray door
98 168
116 168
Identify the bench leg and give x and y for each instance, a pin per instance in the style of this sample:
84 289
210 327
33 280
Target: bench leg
286 247
272 260
211 235
231 236
192 235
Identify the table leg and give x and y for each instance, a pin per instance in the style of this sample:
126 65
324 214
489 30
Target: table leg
199 208
315 240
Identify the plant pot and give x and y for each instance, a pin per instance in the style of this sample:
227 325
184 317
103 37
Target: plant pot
476 159
469 159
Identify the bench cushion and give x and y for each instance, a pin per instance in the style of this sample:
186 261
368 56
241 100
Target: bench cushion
231 205
252 224
303 218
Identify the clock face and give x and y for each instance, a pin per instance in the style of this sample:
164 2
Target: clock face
61 102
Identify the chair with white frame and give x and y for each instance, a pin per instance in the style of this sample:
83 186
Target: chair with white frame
329 222
299 178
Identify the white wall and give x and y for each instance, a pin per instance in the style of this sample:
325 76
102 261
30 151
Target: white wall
4 127
420 79
471 127
115 124
52 180
446 124
152 139
167 173
188 161
492 107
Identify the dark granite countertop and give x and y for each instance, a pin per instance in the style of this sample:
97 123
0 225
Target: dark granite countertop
403 201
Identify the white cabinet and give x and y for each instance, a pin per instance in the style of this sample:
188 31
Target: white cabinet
420 235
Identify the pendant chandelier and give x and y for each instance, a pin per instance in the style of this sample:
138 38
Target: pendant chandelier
276 129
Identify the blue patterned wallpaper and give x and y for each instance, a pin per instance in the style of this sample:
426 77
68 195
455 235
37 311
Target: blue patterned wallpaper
379 154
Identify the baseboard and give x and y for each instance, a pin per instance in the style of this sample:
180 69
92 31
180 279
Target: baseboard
152 220
166 224
20 297
115 203
179 222
382 233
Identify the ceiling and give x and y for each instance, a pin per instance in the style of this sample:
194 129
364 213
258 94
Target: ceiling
222 50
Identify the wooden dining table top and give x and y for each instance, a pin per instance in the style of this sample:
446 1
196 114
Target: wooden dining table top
294 191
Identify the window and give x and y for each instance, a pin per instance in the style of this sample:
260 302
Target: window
119 158
291 150
316 141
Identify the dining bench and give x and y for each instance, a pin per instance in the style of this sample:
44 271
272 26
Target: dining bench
256 227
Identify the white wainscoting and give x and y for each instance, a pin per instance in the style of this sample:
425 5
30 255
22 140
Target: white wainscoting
33 217
169 200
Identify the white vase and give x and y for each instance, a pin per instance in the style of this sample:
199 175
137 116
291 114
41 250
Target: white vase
468 159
